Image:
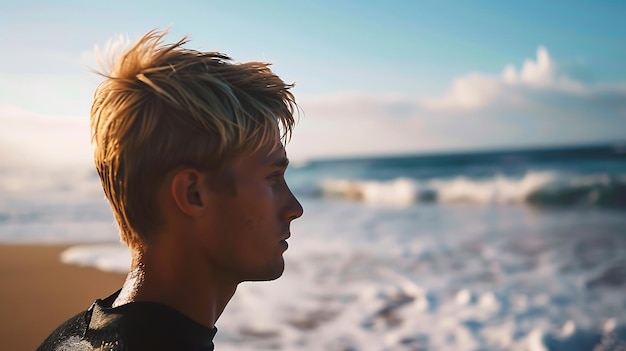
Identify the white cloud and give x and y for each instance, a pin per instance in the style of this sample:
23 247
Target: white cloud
29 139
470 92
537 73
342 124
478 91
536 104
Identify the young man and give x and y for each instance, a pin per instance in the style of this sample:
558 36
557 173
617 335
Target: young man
189 149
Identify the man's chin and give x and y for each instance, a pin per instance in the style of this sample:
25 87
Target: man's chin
270 274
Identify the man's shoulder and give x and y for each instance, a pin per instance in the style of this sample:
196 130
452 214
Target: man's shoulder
135 326
86 332
67 336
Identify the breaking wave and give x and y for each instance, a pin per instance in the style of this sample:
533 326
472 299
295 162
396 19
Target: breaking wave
538 188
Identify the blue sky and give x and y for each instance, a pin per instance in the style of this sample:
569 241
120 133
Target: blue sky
373 77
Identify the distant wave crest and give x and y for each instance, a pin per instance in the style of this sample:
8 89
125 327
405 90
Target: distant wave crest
539 188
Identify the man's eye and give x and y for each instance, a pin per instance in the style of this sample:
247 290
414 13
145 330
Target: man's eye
275 177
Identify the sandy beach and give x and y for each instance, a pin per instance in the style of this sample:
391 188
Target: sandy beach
38 292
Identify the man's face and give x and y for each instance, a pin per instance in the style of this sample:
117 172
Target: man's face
250 227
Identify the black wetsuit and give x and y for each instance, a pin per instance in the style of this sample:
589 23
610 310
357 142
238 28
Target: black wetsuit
134 326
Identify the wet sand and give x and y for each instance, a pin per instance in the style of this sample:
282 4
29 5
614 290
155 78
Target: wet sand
38 292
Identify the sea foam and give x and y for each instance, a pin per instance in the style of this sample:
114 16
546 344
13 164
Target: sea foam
539 188
374 283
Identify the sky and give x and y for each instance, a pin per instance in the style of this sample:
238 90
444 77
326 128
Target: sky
372 77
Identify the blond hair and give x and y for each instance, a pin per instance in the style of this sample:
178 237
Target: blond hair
162 106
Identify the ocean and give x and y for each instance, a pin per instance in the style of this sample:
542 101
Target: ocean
494 250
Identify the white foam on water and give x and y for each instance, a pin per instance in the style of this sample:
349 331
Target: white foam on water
539 187
397 192
105 257
404 191
63 217
357 284
499 189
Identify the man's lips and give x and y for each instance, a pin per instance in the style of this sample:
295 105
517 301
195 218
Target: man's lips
284 244
286 235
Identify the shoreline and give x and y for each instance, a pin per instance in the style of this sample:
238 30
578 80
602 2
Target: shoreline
38 292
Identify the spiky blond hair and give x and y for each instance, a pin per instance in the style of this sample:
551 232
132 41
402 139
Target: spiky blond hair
162 106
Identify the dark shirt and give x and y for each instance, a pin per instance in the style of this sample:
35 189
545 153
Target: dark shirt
130 327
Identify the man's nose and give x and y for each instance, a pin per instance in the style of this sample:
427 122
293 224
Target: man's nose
294 209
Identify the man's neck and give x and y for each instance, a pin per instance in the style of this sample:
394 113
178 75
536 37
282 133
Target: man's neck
177 282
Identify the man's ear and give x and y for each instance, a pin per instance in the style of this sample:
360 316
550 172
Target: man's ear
190 189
